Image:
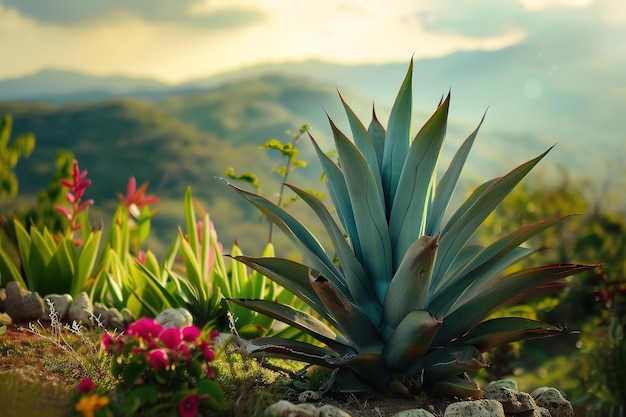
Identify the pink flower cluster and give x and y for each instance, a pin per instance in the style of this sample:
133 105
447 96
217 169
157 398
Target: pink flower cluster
163 348
77 186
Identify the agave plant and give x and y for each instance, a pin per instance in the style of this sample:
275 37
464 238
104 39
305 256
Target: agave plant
409 300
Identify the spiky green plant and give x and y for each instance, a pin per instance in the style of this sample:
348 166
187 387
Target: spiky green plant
409 298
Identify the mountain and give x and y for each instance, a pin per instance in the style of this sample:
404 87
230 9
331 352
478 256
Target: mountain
61 85
181 139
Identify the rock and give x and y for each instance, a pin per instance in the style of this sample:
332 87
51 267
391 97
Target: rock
80 310
478 408
110 318
174 317
22 305
128 315
286 409
553 400
61 305
5 319
505 391
414 413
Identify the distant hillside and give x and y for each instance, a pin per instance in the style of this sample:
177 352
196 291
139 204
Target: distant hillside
53 83
182 139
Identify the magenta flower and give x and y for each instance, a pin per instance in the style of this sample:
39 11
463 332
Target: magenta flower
170 338
145 328
210 372
191 333
136 196
209 355
85 386
183 349
77 185
188 406
158 359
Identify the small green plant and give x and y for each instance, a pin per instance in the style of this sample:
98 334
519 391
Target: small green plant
409 301
10 154
52 263
161 371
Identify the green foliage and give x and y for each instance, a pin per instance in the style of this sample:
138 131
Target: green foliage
408 296
10 154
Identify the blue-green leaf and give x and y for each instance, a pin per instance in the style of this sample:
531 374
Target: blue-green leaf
409 286
296 318
500 331
448 183
416 184
410 340
377 134
457 235
355 276
397 138
368 211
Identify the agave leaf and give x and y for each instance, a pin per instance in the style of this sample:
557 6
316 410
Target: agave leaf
451 361
500 331
278 347
410 340
353 272
397 138
296 318
474 283
409 286
377 135
300 236
291 275
341 200
59 271
458 387
368 211
459 233
363 141
192 268
448 183
353 322
410 207
481 270
471 311
368 366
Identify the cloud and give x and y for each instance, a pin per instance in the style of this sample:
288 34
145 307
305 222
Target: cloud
76 12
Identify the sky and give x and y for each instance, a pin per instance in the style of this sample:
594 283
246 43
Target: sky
174 41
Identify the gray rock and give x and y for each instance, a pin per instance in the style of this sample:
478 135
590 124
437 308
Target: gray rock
478 408
128 315
414 413
174 317
80 310
61 303
286 409
505 391
22 305
110 318
5 319
553 401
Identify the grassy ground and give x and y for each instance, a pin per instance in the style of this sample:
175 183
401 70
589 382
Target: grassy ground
39 369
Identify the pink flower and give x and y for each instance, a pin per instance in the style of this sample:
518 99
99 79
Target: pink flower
170 338
85 385
209 354
77 185
145 328
210 372
110 343
188 407
191 333
184 350
158 359
137 196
